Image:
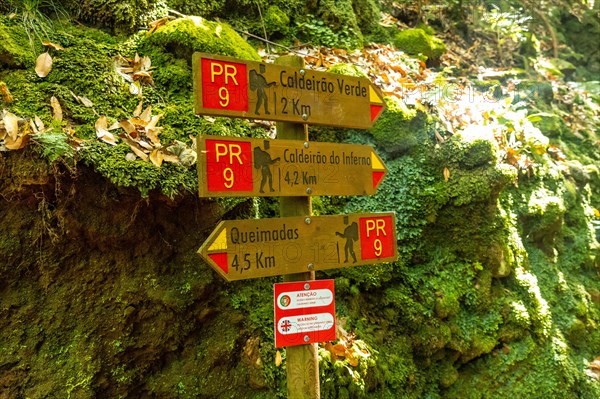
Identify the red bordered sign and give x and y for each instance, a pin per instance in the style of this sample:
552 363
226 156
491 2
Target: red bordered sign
304 312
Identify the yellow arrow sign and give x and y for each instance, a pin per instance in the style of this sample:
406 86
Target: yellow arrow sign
229 167
225 86
243 249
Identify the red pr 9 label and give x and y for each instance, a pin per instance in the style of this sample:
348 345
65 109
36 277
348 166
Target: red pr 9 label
224 85
228 165
377 237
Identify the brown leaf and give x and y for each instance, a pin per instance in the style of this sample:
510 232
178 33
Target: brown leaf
278 359
339 350
153 136
52 45
38 124
135 147
127 126
169 157
156 157
11 124
352 360
138 109
154 25
43 65
139 122
446 174
147 115
6 95
57 113
17 144
101 124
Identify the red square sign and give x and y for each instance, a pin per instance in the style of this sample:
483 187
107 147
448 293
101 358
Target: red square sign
304 312
377 237
228 165
224 85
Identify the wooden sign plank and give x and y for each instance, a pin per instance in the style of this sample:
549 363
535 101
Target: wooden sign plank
232 167
225 86
244 249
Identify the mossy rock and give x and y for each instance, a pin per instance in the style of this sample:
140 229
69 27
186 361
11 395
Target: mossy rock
397 128
347 69
185 36
120 15
417 41
15 49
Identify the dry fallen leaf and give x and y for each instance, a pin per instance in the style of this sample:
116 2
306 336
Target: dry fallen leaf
278 359
17 144
57 114
6 95
43 65
128 126
38 125
52 45
156 157
138 109
11 124
102 132
154 25
147 114
446 174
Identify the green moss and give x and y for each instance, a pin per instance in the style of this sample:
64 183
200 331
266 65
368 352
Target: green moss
184 36
276 21
15 49
417 41
120 15
398 127
110 162
347 69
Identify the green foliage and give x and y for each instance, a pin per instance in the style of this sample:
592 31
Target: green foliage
318 32
277 23
54 146
417 41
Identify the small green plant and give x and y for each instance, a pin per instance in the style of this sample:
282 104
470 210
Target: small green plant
314 30
54 146
36 23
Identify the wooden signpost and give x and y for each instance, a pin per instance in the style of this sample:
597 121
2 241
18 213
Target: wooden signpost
262 167
291 167
225 86
244 249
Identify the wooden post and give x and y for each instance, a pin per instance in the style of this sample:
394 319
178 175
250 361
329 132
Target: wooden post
302 361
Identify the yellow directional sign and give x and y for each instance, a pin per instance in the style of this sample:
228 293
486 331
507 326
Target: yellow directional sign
229 167
244 249
231 87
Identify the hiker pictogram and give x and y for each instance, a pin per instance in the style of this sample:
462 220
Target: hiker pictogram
350 234
263 161
259 84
